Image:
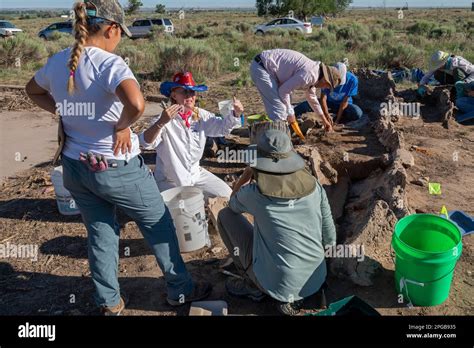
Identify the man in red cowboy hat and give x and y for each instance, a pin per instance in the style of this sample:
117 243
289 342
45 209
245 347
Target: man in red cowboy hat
179 137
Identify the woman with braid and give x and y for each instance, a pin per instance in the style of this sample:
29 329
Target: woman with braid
102 166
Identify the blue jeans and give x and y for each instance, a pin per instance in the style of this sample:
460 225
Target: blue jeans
132 188
351 113
466 106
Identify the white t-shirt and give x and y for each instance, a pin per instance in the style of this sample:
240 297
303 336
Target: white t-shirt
90 114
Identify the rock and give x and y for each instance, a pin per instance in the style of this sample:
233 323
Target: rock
329 171
386 160
216 250
360 123
307 125
405 157
423 181
316 160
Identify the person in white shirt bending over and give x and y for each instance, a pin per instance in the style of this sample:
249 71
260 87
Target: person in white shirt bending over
179 137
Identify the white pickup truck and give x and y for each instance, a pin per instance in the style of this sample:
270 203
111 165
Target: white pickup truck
141 28
8 29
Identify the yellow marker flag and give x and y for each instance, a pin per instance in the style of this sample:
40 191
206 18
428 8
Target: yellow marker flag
444 211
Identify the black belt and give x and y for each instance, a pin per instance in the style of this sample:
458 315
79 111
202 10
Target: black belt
258 59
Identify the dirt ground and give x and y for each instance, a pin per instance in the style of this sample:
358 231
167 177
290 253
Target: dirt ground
59 283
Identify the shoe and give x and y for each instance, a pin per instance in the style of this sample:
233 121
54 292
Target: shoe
290 308
113 311
244 288
201 291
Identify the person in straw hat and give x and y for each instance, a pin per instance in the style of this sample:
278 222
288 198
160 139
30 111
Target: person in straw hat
277 73
449 69
282 254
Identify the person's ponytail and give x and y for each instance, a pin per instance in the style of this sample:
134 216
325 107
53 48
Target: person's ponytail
81 34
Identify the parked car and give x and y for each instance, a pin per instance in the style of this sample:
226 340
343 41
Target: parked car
285 23
62 27
8 29
142 27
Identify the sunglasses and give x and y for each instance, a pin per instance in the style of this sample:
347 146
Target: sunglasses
185 92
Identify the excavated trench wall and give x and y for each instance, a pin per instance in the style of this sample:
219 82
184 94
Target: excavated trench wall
367 198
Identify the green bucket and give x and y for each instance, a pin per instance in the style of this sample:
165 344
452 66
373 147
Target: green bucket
427 248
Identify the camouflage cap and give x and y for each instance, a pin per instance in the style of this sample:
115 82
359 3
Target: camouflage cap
108 9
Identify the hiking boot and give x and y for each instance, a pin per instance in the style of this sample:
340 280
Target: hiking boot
201 291
113 311
290 308
244 288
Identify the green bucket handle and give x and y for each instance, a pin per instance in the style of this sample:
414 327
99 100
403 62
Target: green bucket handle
404 281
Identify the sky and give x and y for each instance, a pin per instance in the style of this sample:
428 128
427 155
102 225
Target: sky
4 4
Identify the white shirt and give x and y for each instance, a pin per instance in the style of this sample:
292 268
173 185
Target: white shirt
90 114
179 148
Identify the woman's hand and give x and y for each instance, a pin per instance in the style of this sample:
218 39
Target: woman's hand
122 141
238 107
169 113
328 127
470 93
291 119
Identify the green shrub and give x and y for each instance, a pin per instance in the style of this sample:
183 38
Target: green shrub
401 55
353 32
325 37
442 32
59 43
232 36
140 59
389 23
244 27
278 32
333 27
189 55
421 28
22 49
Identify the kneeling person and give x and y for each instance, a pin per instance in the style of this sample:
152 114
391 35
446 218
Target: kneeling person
282 255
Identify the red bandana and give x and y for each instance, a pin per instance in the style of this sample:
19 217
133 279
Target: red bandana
185 116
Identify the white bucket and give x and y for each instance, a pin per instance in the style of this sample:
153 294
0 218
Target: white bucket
186 205
66 204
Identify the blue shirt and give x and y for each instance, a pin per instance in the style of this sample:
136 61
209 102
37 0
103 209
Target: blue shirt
349 89
289 240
